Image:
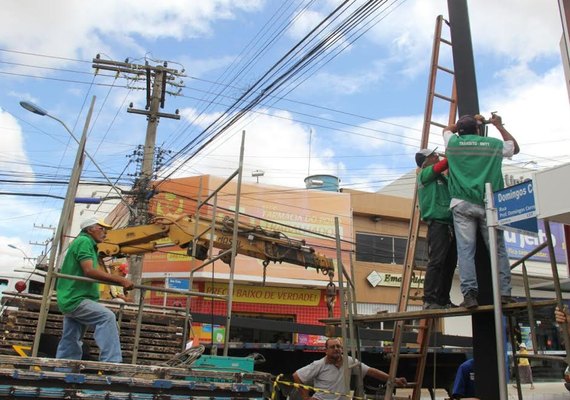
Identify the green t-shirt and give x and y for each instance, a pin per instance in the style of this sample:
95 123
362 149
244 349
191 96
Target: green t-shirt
473 161
433 196
71 292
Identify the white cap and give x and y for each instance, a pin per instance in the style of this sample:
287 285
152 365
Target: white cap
94 221
422 155
522 345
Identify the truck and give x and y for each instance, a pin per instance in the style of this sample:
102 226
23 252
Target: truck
153 337
22 280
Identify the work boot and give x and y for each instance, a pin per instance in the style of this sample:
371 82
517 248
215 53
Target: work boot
507 300
470 300
433 306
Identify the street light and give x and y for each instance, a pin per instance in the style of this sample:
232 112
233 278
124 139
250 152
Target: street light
26 257
40 111
62 230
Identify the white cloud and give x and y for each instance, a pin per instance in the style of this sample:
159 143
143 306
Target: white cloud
515 29
199 119
407 33
11 258
535 112
303 23
199 67
78 29
23 96
349 83
18 217
13 157
402 132
280 147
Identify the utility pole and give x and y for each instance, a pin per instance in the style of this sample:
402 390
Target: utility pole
43 258
156 78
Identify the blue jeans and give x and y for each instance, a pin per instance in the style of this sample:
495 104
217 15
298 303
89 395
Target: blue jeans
90 313
467 218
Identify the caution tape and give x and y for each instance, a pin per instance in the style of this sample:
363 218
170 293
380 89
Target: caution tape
307 387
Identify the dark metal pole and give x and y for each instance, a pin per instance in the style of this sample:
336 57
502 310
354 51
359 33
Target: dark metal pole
463 61
484 345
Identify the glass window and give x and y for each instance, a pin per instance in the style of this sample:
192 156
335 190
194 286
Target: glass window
259 333
387 249
36 287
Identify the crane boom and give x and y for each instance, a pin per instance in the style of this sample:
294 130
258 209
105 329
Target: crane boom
186 232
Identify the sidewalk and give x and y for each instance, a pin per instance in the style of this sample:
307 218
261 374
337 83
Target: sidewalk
542 391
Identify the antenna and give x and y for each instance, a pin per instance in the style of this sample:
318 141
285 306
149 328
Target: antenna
310 140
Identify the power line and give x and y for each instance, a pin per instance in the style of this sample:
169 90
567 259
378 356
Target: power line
198 144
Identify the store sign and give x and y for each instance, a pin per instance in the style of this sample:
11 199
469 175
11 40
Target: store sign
178 256
374 278
311 340
268 295
204 334
518 245
393 280
176 283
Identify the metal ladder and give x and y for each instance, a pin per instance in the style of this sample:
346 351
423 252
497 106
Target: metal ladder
425 327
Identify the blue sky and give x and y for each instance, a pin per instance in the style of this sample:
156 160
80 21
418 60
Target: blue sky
358 115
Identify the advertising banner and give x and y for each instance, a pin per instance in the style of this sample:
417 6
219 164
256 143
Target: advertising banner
268 295
518 244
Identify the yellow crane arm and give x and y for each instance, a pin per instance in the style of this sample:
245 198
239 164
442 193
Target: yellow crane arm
186 232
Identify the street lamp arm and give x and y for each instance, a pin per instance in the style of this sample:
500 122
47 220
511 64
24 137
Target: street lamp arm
40 111
64 125
26 257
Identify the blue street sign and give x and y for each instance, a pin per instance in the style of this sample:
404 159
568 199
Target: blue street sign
175 283
516 209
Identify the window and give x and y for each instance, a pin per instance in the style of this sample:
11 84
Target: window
36 287
3 286
387 249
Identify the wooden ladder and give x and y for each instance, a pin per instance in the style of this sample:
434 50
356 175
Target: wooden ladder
425 327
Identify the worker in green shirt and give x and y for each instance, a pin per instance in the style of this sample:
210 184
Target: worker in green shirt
475 160
78 300
433 198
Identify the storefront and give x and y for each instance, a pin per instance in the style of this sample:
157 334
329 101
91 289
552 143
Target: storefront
276 291
286 304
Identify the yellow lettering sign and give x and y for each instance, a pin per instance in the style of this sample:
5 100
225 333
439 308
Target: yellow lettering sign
268 295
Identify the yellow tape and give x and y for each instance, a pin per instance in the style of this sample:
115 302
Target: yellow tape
301 386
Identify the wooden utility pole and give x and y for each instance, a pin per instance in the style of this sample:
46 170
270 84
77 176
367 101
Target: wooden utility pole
156 78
